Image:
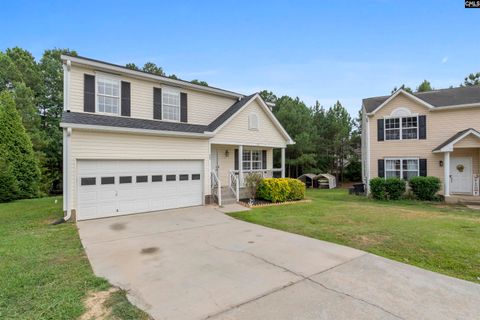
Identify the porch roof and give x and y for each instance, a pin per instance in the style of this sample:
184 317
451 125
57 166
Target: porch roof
447 146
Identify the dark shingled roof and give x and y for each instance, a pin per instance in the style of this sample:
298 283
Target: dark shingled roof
132 123
229 112
437 98
454 137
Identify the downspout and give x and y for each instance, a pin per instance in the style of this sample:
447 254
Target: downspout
67 132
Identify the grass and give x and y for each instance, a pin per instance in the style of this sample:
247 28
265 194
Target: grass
44 271
433 236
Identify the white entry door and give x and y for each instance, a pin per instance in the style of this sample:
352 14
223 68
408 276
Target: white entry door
115 187
461 175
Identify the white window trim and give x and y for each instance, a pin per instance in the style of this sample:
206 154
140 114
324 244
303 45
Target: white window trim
255 116
400 128
251 161
173 92
401 165
114 79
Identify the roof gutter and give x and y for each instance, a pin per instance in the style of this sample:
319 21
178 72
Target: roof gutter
134 130
458 106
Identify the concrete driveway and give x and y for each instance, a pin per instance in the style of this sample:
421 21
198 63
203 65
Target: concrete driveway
198 263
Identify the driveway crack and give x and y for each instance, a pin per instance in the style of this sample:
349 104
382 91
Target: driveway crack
356 298
302 278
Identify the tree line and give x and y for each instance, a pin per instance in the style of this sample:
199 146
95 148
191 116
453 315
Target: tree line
31 106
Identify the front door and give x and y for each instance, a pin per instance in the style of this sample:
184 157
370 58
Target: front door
461 175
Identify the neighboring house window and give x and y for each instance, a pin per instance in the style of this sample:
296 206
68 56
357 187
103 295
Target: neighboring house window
108 95
252 121
171 105
402 128
404 168
252 159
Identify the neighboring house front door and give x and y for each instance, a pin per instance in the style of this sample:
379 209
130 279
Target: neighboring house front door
461 175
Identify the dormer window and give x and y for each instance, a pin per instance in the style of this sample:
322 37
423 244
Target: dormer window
108 95
171 105
252 121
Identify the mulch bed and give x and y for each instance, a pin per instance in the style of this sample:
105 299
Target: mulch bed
264 203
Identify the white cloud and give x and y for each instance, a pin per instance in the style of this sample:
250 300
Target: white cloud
444 60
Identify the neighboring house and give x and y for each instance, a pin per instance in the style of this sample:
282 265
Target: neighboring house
433 133
137 142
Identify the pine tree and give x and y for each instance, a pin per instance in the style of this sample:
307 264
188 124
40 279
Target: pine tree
8 184
16 148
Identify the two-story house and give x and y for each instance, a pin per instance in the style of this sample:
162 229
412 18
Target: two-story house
137 142
435 133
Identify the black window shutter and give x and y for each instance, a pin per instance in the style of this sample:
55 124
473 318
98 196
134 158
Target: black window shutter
422 127
125 98
88 93
423 167
264 159
183 107
236 160
381 168
380 131
157 103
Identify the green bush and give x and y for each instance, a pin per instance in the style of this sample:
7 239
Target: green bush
377 188
425 188
281 189
395 188
273 189
297 189
16 149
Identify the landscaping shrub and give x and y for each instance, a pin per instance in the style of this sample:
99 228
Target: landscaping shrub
273 189
425 188
377 188
281 189
395 188
252 180
297 189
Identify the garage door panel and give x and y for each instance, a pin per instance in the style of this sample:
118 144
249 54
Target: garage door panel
103 200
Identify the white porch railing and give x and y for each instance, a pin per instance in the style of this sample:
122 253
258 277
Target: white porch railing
233 183
266 173
216 186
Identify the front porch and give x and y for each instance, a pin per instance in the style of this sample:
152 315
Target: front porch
231 164
461 167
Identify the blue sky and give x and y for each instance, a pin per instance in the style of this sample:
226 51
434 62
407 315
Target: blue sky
316 50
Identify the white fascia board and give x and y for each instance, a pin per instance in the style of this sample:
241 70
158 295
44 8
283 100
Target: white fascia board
142 75
427 105
458 106
248 144
269 113
449 147
205 135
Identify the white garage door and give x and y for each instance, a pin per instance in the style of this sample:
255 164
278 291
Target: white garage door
110 188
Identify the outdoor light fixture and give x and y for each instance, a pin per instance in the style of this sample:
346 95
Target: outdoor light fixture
226 153
440 163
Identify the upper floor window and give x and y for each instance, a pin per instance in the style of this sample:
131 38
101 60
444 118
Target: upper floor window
252 159
171 105
401 128
108 95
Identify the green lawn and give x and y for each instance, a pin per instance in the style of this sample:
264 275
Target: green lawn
433 236
44 272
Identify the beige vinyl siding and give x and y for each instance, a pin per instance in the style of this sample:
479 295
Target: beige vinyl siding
203 108
236 131
122 146
225 164
441 125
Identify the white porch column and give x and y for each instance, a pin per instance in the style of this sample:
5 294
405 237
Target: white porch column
446 174
283 163
240 164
